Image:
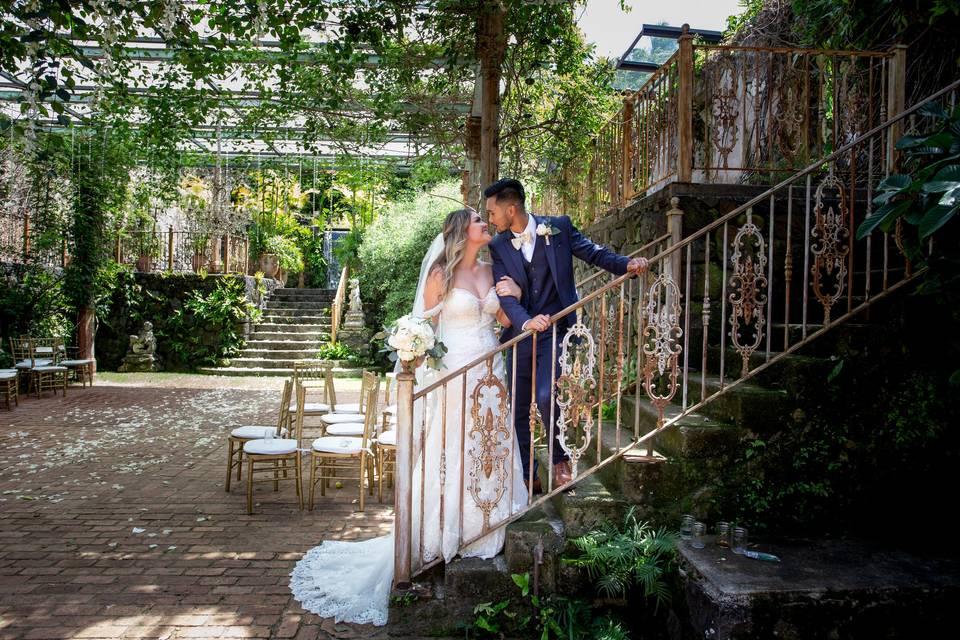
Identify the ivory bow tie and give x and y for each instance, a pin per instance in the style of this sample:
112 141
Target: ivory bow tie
522 239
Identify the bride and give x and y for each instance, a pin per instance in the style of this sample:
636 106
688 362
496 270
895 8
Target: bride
351 581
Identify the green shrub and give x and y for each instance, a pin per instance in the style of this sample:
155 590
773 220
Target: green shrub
208 327
337 351
394 246
288 253
34 303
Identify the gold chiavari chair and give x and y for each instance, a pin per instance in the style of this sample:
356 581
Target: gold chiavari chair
80 369
269 456
10 387
389 415
316 378
345 413
330 454
241 435
38 362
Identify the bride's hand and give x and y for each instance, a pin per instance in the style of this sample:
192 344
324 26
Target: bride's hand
507 287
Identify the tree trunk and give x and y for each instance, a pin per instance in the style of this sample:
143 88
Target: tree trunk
85 334
491 51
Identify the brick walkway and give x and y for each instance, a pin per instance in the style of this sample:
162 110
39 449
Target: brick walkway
114 522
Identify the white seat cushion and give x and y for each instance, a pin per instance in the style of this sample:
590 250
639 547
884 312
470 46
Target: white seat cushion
75 363
337 444
252 432
271 447
8 374
36 362
388 438
348 407
338 418
349 429
49 368
311 407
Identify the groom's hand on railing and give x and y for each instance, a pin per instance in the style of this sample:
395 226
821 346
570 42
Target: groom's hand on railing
636 266
537 323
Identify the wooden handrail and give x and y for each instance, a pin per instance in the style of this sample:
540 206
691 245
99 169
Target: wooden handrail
336 309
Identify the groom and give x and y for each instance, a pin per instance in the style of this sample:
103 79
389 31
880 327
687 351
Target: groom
537 252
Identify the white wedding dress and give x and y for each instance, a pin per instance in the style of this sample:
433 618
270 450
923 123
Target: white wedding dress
351 581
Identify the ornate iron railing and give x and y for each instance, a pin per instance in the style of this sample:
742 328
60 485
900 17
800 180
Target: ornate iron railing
182 251
729 114
713 310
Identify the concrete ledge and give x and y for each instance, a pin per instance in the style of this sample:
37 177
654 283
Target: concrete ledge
828 589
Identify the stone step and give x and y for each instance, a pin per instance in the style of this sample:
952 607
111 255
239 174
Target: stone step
287 329
296 313
274 371
322 322
584 506
288 293
321 306
541 526
478 578
792 371
265 363
275 344
279 354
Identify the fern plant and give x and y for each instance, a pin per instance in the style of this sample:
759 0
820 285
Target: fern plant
618 558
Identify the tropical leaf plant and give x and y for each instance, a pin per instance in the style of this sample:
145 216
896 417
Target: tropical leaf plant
927 195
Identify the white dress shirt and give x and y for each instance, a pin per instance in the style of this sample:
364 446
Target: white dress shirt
527 249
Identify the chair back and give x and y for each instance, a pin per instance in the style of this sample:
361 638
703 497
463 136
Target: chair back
284 406
297 422
370 415
315 370
22 349
370 380
310 370
48 348
331 389
387 384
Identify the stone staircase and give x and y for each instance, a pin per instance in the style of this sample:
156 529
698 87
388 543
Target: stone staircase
688 458
295 323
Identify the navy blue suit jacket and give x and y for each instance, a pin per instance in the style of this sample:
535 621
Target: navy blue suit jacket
569 242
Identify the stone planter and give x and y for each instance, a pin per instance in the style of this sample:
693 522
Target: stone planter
269 264
145 264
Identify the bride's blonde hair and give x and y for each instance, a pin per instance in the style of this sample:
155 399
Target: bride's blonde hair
454 239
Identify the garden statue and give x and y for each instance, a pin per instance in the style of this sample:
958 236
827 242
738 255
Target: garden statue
355 310
353 330
140 354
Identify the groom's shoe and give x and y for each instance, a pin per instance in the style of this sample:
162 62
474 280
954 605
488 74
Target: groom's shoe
537 489
562 474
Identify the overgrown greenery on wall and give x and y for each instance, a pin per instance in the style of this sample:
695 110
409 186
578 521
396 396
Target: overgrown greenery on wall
197 320
875 445
393 247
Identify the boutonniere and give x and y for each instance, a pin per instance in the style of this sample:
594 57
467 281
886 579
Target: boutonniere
546 231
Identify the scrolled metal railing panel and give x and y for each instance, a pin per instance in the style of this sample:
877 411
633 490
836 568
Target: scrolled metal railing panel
713 311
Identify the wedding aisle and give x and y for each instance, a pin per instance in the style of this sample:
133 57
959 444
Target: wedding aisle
114 521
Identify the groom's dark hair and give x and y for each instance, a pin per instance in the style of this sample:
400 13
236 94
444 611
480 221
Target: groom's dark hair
507 189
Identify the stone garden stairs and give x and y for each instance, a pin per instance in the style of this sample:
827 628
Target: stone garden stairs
295 323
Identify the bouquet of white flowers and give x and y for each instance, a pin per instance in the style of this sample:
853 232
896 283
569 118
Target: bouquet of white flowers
409 339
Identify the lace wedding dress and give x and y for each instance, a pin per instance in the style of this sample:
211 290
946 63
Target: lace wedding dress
350 581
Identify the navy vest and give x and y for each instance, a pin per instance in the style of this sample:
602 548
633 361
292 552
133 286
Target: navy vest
544 297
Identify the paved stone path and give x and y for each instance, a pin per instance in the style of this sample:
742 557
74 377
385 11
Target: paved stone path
114 522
